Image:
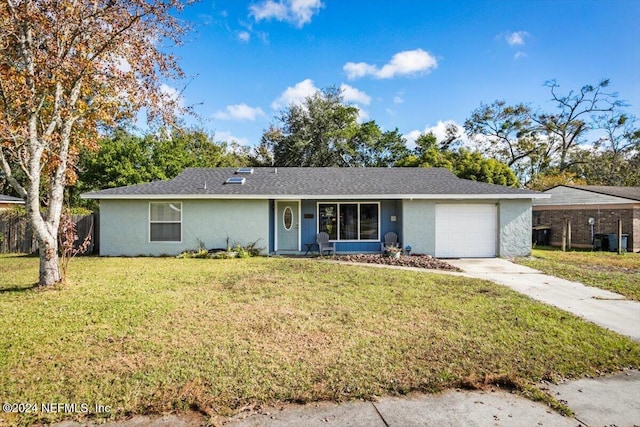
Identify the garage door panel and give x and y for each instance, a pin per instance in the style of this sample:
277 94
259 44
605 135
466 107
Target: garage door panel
466 230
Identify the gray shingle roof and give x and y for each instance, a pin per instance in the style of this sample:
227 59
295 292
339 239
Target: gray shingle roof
315 183
631 193
10 199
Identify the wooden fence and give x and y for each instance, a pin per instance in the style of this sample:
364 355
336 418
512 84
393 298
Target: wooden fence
16 235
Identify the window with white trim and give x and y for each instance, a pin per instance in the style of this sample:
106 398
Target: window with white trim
165 221
350 221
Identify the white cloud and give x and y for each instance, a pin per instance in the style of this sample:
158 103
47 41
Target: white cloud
398 100
244 36
439 130
357 70
351 94
409 62
239 112
519 55
516 38
298 12
411 138
227 137
295 94
268 10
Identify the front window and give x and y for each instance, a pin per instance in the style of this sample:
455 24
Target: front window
328 219
349 221
165 222
369 221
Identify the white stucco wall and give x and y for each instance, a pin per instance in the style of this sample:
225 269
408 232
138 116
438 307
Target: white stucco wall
124 226
419 226
514 225
514 218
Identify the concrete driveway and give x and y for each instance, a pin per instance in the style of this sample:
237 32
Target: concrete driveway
604 308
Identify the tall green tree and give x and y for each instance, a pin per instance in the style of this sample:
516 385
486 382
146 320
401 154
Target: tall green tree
126 159
462 162
324 131
534 142
552 178
574 118
369 146
427 153
475 166
508 134
612 159
314 133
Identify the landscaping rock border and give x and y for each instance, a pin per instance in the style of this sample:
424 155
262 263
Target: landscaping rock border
418 261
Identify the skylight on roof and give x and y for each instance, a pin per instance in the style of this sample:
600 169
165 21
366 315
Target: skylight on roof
235 180
245 170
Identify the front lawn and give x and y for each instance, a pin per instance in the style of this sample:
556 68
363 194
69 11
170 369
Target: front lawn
152 335
605 270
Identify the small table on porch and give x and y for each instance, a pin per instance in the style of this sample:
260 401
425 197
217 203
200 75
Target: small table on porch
310 248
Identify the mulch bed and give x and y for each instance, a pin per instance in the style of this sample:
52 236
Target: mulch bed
420 261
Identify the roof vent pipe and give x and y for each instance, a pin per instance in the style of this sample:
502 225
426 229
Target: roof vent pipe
275 170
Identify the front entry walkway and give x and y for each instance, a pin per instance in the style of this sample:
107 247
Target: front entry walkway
604 308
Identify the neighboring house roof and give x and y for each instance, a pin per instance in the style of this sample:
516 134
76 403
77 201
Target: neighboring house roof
585 195
10 199
631 193
320 183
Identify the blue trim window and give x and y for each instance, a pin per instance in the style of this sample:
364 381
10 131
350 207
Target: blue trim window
350 221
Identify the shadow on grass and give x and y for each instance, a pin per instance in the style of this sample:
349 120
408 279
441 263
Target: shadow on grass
31 287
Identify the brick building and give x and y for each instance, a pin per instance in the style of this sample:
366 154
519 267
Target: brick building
591 209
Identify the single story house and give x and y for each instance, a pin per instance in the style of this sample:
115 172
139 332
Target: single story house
283 209
8 202
592 210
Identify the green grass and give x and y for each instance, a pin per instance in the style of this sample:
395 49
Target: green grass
605 270
150 335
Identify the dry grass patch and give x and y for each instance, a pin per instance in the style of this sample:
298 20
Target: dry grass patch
155 335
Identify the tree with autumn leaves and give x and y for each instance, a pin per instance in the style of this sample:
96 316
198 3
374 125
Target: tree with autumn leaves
67 69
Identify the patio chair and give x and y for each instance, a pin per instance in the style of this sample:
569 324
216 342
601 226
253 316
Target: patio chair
390 239
323 243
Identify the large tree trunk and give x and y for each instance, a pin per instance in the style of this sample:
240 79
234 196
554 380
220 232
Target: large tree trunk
49 263
46 232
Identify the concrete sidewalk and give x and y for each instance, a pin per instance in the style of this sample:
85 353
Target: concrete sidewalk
604 401
604 308
450 409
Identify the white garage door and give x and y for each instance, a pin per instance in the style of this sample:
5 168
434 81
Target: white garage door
466 231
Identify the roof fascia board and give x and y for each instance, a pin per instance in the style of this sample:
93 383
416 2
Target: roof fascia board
314 197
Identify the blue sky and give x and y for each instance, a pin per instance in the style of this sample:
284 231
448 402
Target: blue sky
411 65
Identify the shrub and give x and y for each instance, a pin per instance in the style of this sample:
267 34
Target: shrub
235 251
